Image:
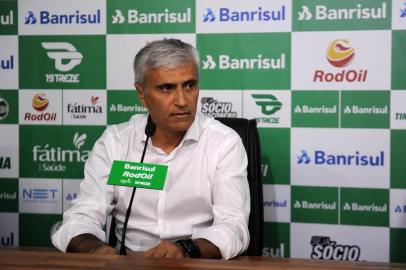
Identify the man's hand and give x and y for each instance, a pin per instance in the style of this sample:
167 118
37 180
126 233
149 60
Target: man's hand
88 243
166 249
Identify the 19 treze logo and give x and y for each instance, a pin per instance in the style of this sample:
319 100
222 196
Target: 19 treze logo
325 249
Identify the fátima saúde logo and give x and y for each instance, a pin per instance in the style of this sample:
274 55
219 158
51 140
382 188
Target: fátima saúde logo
215 108
340 54
81 111
269 105
65 57
77 18
322 158
40 103
326 249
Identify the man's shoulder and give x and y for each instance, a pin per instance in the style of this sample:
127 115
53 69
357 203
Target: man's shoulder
213 127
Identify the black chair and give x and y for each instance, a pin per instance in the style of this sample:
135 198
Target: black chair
247 129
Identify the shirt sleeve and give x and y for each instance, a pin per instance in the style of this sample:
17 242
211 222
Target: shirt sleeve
89 211
231 201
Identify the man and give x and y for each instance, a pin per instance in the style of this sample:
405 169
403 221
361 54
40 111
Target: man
206 193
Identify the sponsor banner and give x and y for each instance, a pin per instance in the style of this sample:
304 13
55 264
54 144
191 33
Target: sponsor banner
255 61
270 108
70 192
40 196
121 105
8 107
276 203
398 59
365 109
328 15
9 155
36 229
364 206
60 154
8 62
275 158
8 18
224 103
228 16
398 208
8 195
341 243
276 240
9 234
341 60
67 62
315 204
398 14
398 157
346 157
123 48
315 109
39 107
84 107
397 245
153 16
398 109
55 17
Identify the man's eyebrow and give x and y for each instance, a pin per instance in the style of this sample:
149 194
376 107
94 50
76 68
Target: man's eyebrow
191 81
165 85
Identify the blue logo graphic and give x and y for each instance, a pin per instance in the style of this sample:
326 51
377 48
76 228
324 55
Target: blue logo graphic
39 193
71 196
30 18
276 204
320 157
209 16
303 158
400 209
403 12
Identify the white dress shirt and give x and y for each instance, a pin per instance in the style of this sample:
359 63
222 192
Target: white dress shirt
206 192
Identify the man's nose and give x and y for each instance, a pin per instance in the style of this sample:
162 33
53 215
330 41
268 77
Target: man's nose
180 99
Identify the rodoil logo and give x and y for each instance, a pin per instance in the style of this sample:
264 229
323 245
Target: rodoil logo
40 103
322 158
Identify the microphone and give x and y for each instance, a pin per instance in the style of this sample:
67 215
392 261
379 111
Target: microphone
149 131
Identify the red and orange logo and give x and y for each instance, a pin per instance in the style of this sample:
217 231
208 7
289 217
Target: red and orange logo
40 102
339 53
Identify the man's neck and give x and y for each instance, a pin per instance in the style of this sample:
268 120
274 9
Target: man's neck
167 141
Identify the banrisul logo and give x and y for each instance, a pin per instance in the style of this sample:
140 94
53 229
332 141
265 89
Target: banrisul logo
74 62
403 11
60 154
154 16
7 63
257 14
215 108
264 65
325 15
340 54
323 158
74 18
122 105
324 248
8 17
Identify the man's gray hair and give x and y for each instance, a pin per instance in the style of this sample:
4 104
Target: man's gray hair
167 53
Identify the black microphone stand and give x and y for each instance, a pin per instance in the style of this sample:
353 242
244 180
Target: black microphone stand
149 131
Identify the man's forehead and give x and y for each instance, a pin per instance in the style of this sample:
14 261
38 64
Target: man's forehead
172 75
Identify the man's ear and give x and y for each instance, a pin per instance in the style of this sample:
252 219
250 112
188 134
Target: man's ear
141 95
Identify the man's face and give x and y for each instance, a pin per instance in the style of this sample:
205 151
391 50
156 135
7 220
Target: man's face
171 97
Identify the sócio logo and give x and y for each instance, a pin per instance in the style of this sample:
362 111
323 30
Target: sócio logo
325 249
339 53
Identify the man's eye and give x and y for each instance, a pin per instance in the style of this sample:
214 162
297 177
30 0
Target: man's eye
166 87
190 85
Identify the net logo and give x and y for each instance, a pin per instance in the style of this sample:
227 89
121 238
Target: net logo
77 17
7 63
340 54
81 111
214 108
5 163
225 62
40 103
325 249
40 195
403 11
356 207
7 19
358 12
320 157
167 16
4 108
51 158
278 252
66 57
258 15
7 240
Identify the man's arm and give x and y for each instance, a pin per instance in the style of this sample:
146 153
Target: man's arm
88 243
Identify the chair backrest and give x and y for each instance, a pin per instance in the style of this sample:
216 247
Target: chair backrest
247 129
